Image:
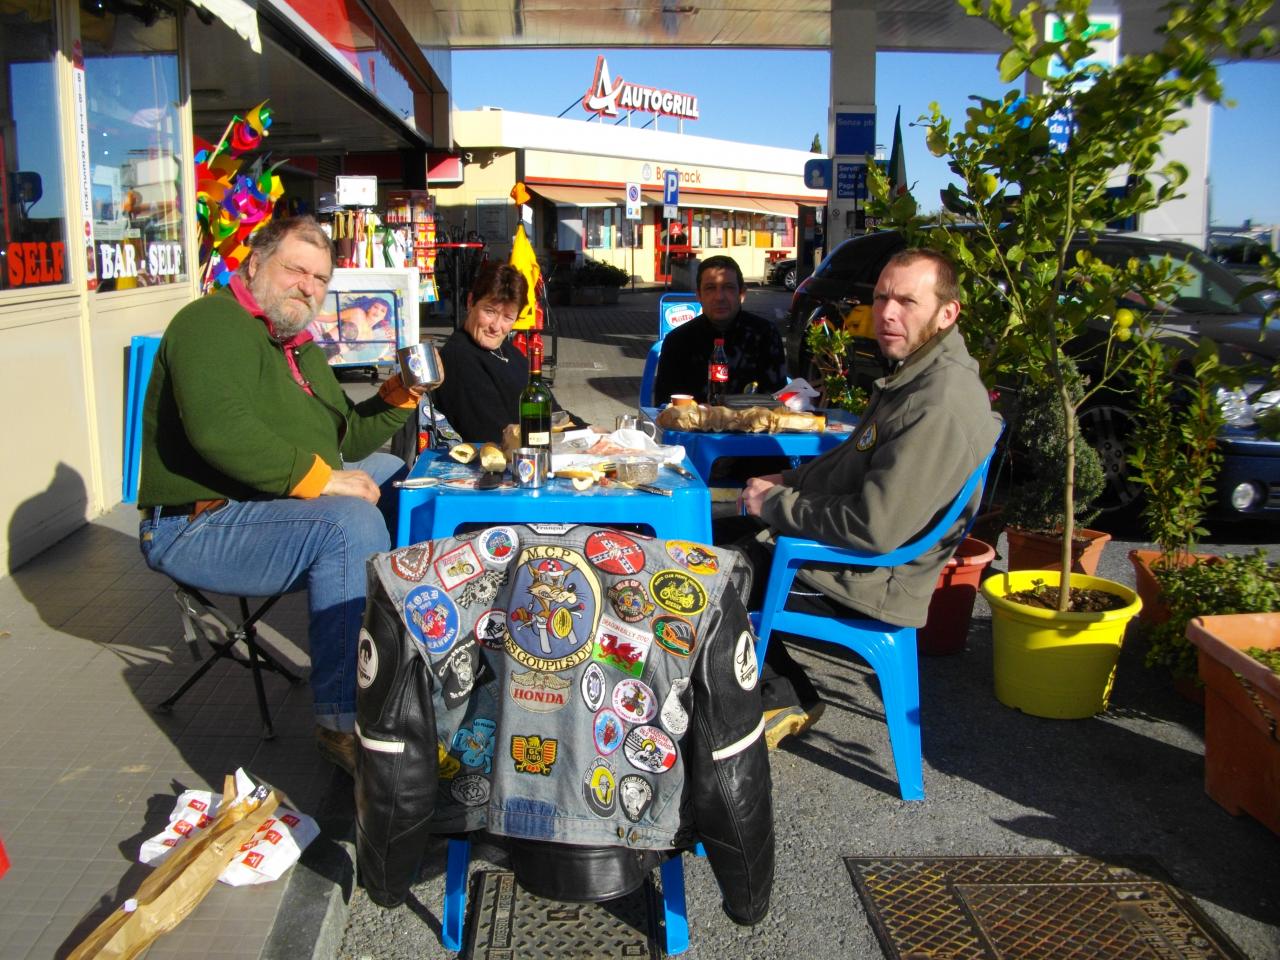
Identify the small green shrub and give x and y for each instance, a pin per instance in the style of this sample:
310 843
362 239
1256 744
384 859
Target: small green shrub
830 349
1239 583
596 273
1038 447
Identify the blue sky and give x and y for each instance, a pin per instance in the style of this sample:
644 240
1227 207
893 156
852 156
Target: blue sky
779 98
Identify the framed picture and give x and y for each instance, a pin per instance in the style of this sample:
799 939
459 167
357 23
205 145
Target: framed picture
367 315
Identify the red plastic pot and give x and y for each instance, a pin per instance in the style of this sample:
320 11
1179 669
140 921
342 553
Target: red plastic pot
951 606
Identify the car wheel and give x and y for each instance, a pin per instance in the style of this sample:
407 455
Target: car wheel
1108 429
789 279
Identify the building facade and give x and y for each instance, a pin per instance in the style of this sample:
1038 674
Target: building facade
734 198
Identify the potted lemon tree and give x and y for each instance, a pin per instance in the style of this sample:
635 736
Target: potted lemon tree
1037 299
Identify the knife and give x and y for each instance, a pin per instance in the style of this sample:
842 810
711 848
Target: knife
650 488
687 474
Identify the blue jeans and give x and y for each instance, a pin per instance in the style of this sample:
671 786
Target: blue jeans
259 548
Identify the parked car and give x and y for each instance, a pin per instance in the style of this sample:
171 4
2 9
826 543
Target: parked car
782 273
1211 304
1243 255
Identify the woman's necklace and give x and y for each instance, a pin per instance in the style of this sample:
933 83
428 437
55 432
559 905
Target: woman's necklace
499 355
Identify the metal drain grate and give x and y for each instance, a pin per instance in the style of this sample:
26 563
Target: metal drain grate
507 922
1026 908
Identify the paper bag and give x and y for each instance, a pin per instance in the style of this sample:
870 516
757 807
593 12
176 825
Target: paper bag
182 881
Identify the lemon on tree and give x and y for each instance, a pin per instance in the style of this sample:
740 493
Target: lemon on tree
1123 324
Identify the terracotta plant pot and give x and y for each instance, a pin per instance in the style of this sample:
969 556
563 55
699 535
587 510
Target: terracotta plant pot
988 526
1242 705
1040 551
1154 609
951 607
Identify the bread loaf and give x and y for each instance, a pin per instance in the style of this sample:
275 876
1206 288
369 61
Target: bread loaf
463 452
745 420
492 459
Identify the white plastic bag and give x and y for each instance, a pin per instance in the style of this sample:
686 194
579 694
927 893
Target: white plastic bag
797 396
577 451
273 848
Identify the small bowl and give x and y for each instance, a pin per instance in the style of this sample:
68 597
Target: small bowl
637 469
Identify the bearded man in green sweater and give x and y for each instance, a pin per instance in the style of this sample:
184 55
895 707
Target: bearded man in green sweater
259 474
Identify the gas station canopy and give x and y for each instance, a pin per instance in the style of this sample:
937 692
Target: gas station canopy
901 25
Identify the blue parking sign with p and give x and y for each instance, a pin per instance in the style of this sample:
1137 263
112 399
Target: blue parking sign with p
671 187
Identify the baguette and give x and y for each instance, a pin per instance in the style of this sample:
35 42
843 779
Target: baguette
492 459
463 452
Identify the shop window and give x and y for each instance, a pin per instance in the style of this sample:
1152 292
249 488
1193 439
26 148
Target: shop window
136 167
600 222
719 221
741 229
702 231
628 231
33 241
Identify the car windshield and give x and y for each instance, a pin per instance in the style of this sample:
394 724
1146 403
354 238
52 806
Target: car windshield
1208 288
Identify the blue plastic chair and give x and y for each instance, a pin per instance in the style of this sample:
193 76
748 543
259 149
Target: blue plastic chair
889 649
650 372
670 304
455 899
194 607
142 356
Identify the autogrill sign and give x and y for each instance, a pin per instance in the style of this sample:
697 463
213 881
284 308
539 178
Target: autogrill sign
606 97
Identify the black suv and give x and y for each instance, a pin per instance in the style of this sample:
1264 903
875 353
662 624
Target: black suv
1209 305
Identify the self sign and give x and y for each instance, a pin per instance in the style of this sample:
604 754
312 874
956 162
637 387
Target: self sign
32 263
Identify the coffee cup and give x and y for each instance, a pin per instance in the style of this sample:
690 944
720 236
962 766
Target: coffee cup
529 466
682 400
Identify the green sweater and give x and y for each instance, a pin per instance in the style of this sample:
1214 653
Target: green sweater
224 417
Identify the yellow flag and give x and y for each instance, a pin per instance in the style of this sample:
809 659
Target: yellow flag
524 260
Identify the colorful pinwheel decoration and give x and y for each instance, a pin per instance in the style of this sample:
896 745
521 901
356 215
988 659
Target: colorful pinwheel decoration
230 203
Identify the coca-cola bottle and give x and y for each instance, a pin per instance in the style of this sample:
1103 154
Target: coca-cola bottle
717 375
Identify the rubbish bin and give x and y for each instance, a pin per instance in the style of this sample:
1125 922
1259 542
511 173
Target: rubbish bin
684 272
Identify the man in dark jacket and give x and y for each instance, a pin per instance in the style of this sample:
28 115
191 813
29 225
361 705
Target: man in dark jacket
752 344
927 427
258 473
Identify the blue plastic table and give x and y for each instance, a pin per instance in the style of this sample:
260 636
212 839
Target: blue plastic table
704 449
427 513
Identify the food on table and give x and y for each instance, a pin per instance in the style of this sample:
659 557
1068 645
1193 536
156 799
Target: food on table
463 452
701 417
492 458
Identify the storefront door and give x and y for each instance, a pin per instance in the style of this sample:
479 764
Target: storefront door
672 240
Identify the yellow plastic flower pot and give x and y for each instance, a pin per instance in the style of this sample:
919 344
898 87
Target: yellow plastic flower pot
1051 664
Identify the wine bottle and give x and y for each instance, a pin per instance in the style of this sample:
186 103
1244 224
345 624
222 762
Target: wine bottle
535 402
717 375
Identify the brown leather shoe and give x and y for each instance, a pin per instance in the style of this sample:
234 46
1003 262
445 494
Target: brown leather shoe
338 748
787 721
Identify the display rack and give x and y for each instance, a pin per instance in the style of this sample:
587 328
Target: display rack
411 214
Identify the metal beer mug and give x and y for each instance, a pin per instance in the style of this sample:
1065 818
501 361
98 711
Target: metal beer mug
529 466
420 365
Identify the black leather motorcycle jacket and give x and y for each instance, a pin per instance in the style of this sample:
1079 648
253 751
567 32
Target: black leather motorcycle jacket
589 696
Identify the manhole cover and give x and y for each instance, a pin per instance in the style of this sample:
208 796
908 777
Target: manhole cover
507 922
1027 908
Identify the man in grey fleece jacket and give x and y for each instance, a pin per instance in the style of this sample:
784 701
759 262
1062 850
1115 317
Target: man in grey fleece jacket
926 429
